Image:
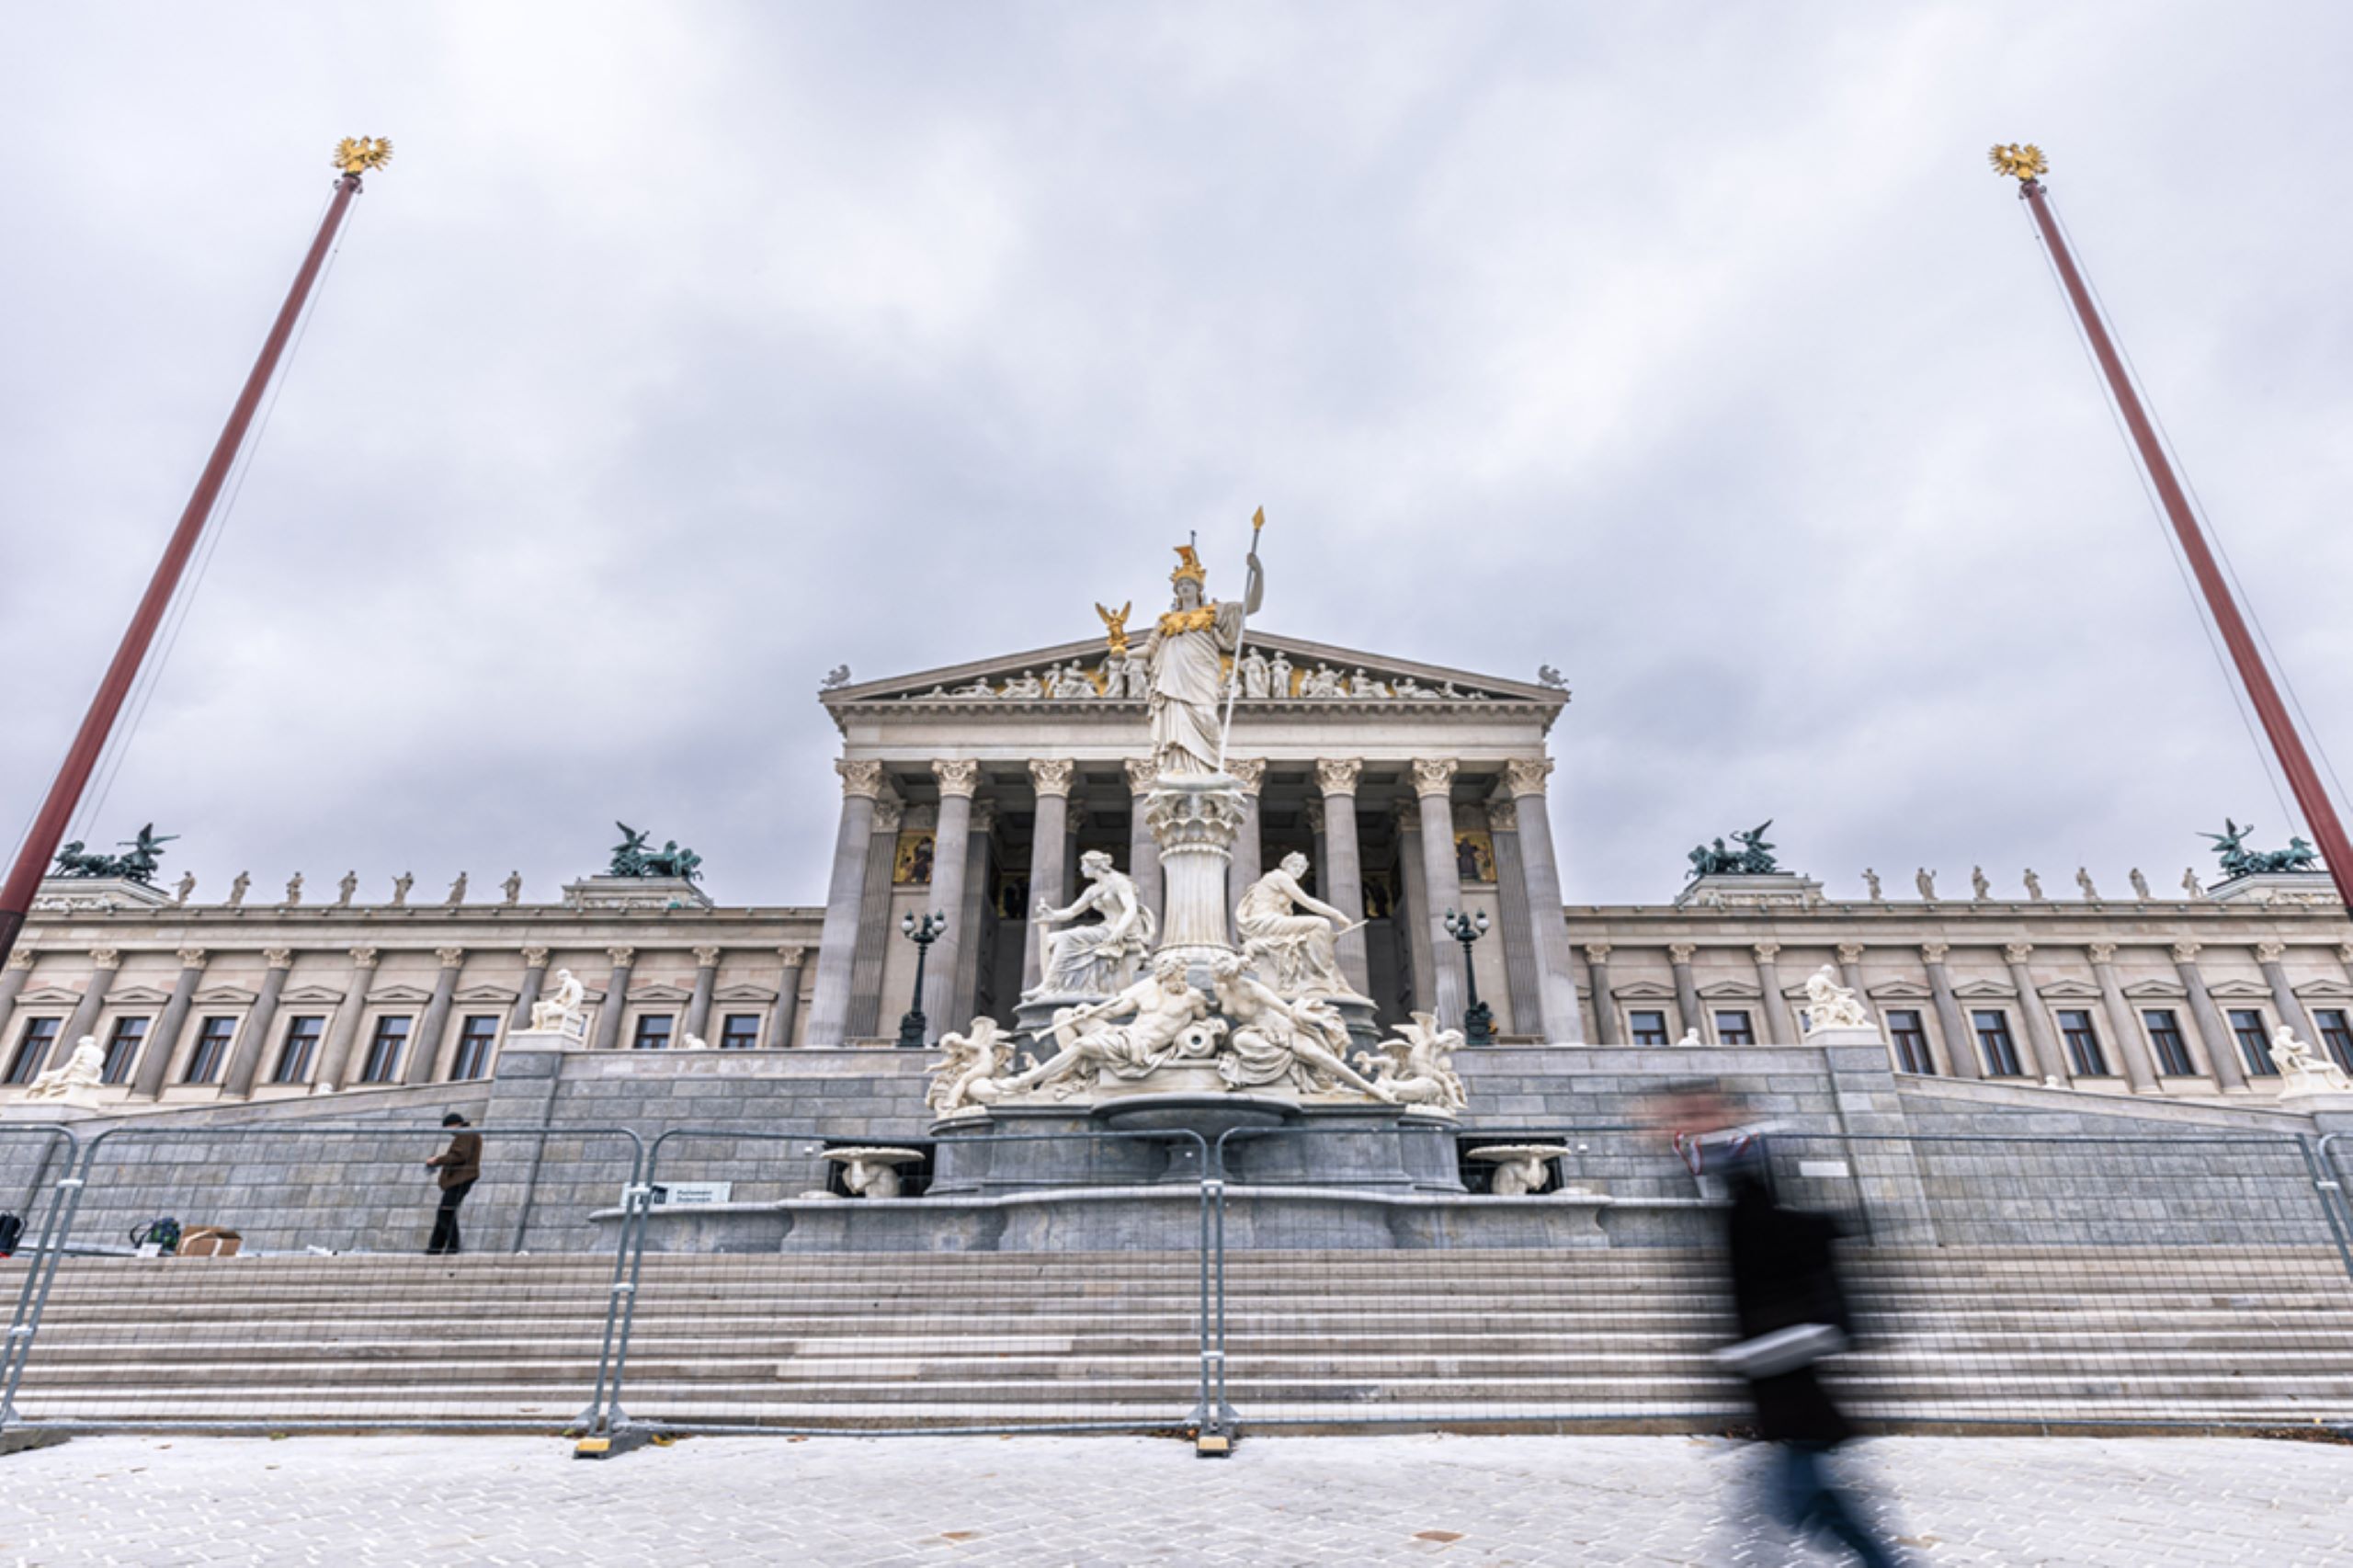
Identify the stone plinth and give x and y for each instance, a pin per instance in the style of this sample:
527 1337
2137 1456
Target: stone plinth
1774 890
1194 820
573 1038
633 893
2306 888
90 895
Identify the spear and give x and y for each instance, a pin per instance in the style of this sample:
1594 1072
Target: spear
1234 681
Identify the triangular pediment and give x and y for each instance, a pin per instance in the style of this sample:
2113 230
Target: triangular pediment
1643 991
2328 990
745 993
2238 991
2158 990
1983 991
1730 991
397 995
488 994
2069 991
48 996
224 996
1020 681
311 996
137 996
658 993
1900 991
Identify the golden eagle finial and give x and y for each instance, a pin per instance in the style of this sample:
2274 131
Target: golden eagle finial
359 155
2020 160
1117 626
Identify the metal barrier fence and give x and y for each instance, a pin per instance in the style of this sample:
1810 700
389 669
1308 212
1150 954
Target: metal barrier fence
726 1281
2334 1156
1052 1282
328 1311
2080 1282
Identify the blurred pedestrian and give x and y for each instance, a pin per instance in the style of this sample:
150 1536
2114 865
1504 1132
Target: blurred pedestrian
1792 1314
461 1167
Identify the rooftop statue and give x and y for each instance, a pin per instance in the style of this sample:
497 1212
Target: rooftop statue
633 858
1752 858
139 865
1184 655
2238 860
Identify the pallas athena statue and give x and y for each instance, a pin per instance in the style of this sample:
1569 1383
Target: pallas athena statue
1184 653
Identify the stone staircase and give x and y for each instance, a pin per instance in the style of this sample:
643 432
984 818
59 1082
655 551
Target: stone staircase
1591 1340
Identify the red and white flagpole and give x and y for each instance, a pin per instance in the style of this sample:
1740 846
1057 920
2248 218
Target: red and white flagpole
2026 164
354 157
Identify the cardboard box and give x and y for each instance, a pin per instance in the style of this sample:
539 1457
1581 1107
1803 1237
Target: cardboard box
210 1240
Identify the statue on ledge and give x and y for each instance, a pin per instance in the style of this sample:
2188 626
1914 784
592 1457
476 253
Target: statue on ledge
1100 959
1300 948
1163 1008
561 1014
83 1070
1278 1041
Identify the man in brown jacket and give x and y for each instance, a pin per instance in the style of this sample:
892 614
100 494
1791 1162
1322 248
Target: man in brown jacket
461 1166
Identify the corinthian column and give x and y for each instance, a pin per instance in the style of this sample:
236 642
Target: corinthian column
2221 1046
874 922
1605 1006
344 1028
1051 778
1341 874
2139 1073
12 985
1686 989
787 997
980 851
147 1084
105 963
1778 1016
1556 978
2283 996
697 1022
527 997
1434 791
1518 924
425 1051
609 1016
951 850
253 1038
1959 1044
845 896
1248 862
2051 1061
1144 854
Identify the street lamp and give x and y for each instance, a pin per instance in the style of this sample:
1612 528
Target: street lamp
1478 1023
912 1026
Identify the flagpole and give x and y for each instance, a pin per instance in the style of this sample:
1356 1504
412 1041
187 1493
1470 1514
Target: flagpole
2026 164
1234 681
354 156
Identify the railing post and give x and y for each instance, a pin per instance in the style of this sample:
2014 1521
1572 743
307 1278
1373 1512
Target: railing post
57 1227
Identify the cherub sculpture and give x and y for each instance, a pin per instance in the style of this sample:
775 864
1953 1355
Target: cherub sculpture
962 1078
1417 1066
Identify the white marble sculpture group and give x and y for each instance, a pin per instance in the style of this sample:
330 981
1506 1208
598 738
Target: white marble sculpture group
1132 993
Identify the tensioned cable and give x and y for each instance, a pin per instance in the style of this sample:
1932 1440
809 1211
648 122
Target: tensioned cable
2239 703
2206 517
177 613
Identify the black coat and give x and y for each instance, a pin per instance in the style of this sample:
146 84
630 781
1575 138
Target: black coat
1784 1273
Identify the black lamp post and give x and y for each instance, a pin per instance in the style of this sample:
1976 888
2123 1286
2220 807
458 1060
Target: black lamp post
1478 1023
912 1026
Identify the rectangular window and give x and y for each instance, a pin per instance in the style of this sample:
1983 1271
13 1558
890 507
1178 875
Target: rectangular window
653 1033
2001 1052
1911 1040
384 1050
213 1037
2255 1041
1732 1029
475 1038
122 1048
2336 1035
741 1031
1648 1029
2173 1051
301 1044
32 1049
2084 1056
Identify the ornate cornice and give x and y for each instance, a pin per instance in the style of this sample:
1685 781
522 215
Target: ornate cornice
860 776
1051 774
1338 775
958 776
1433 776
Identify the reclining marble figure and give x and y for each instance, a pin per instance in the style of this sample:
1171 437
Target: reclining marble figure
1296 1042
1161 1009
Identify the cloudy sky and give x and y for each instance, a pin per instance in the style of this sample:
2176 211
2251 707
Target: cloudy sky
686 351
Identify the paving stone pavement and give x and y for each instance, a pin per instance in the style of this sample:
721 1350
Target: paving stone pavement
1053 1501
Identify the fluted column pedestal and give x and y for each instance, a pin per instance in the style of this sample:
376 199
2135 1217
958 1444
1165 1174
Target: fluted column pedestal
1193 821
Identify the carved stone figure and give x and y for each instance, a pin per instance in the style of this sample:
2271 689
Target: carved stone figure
1752 858
1830 1006
237 889
294 890
1184 652
1520 1169
1024 686
1926 881
1416 1064
458 889
633 858
1692 1037
1137 669
1407 687
347 890
1274 1040
1100 959
1294 931
1279 675
2190 883
1115 628
1364 687
561 1012
835 678
978 688
1159 1009
1255 677
693 1042
968 1063
2139 884
76 1076
1547 676
188 886
2240 861
513 889
1979 887
2083 881
139 865
1870 880
2303 1071
401 885
2033 886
